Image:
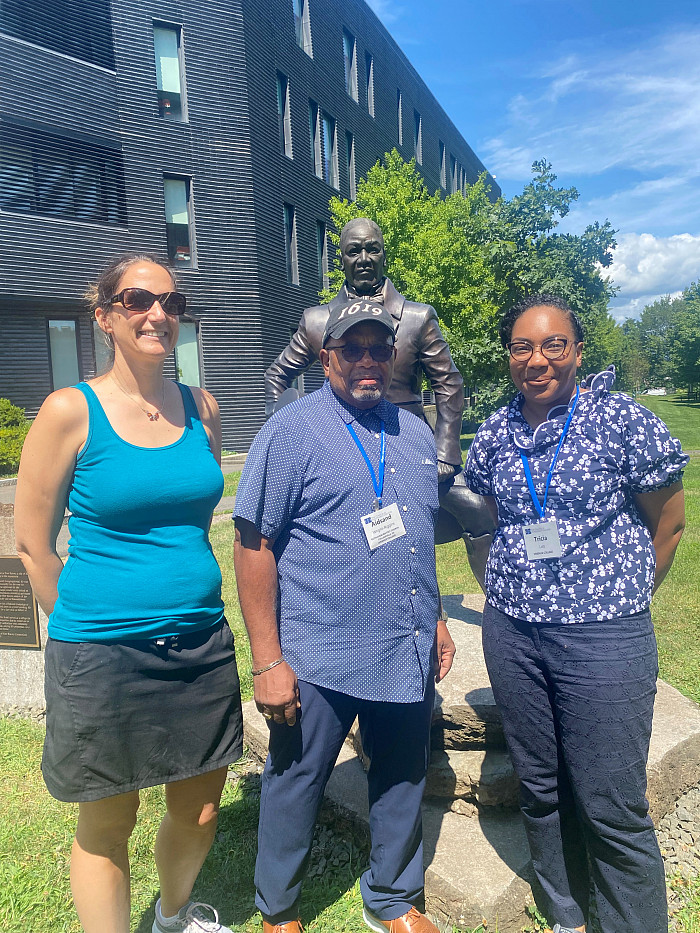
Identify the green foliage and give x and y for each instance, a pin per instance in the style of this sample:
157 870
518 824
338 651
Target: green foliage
663 346
470 257
13 430
11 416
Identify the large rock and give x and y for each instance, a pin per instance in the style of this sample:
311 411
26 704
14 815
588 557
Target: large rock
465 714
674 751
483 776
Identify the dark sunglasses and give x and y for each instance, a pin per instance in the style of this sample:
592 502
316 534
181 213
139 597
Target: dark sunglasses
353 353
140 300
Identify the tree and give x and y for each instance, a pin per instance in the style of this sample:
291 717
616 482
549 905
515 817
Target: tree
685 341
470 257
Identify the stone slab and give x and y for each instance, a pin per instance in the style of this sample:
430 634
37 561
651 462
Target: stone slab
465 714
674 751
483 776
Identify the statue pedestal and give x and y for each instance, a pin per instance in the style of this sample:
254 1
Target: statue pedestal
477 862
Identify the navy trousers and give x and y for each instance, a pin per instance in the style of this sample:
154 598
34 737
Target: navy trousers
577 704
396 738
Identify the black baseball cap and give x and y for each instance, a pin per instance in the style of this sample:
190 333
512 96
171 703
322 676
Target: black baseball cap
347 315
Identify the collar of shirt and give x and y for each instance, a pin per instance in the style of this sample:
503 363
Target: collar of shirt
549 432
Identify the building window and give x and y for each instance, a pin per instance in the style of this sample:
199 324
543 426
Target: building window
169 72
322 255
443 166
302 26
179 225
350 156
315 134
283 115
41 173
399 115
63 343
290 244
187 354
369 75
417 137
350 59
330 156
453 175
81 30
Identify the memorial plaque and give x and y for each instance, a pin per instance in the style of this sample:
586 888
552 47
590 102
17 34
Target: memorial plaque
19 616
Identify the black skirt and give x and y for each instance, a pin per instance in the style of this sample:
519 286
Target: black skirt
122 716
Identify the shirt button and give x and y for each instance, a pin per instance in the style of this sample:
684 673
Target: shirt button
393 470
413 592
416 633
405 508
413 550
376 435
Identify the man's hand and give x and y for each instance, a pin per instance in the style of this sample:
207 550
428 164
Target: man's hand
446 471
445 651
277 694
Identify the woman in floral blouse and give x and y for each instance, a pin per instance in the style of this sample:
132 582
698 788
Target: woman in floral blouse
586 486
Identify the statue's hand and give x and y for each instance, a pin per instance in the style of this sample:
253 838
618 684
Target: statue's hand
446 471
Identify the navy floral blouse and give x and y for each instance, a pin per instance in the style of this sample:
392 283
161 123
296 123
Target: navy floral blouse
614 448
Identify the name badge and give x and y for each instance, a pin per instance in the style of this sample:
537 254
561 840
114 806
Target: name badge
382 526
542 540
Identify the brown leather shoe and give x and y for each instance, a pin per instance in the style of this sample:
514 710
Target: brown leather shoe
412 922
289 926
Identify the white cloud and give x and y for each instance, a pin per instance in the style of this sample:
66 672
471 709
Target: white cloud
647 267
595 111
630 120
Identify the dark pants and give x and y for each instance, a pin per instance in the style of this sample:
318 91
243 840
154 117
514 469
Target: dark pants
396 738
577 704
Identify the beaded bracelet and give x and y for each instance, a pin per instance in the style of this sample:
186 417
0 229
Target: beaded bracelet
268 667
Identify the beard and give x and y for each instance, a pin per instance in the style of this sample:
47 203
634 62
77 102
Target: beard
366 394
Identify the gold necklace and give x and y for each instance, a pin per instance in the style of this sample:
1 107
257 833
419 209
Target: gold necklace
152 415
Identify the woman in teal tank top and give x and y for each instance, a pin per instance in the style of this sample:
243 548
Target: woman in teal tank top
141 680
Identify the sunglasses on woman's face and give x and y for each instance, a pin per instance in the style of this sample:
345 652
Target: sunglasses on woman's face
139 300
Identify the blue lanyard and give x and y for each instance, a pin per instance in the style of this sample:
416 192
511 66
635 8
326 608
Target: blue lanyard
377 480
526 465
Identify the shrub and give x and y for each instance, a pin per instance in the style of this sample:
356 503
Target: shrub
11 416
13 430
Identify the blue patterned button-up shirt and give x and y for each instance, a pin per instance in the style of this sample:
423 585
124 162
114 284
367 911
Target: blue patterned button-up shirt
353 620
614 448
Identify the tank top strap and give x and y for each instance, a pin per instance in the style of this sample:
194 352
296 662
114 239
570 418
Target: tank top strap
99 427
191 410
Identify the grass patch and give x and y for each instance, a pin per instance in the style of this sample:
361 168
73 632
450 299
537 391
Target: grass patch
681 416
231 481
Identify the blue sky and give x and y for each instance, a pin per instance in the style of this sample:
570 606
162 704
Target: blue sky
608 92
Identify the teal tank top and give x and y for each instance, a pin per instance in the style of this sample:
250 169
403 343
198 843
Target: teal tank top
140 565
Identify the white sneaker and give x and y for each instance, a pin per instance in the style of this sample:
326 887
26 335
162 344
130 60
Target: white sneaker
194 917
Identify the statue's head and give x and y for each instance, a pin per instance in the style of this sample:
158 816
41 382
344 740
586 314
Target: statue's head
362 254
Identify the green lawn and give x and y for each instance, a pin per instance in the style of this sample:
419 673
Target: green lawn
36 831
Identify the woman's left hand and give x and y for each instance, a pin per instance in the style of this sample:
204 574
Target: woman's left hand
445 651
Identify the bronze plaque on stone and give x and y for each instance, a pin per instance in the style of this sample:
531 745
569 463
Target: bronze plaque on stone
19 617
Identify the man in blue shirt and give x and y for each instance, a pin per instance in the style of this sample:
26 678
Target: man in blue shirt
335 564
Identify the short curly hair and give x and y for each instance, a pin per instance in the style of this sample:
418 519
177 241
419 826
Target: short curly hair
505 328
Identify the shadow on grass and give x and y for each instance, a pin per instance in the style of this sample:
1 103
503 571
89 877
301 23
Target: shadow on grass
226 879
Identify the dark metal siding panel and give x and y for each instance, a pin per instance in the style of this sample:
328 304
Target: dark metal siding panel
24 373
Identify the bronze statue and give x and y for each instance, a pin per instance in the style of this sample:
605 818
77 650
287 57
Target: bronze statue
421 348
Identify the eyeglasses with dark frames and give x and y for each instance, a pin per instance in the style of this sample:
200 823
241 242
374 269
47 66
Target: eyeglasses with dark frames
554 348
353 352
139 300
